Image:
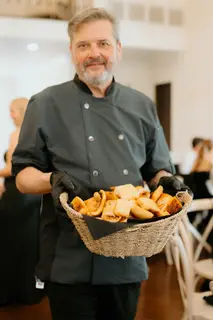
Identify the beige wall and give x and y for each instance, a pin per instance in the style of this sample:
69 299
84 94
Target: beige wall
168 67
135 71
198 67
191 74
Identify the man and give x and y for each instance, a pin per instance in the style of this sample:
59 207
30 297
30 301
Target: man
81 136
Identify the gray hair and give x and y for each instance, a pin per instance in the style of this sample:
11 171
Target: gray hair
90 15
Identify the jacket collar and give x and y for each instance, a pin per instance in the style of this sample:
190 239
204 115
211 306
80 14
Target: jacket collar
82 85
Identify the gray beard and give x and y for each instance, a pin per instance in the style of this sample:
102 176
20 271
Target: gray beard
98 81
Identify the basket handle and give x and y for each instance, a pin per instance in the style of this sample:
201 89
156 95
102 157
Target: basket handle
63 199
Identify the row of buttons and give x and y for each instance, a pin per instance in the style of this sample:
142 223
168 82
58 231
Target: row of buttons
95 173
92 139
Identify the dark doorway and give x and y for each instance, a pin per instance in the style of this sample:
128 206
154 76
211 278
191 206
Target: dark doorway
163 103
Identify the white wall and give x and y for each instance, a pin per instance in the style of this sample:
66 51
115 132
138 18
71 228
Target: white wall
135 71
34 79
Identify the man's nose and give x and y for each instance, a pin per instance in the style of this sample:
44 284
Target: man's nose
94 51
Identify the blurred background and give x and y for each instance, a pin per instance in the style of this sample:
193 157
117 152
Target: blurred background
167 54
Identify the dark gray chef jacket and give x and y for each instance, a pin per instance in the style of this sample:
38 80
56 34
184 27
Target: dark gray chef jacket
99 142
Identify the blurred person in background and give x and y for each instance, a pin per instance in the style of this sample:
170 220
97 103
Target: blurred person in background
202 170
189 160
82 136
204 159
199 177
19 217
202 173
200 180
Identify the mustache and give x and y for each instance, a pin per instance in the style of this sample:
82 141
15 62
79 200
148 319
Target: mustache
94 60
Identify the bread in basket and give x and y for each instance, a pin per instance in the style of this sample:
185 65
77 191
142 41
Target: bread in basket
142 224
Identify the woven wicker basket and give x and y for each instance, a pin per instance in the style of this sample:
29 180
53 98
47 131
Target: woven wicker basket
140 239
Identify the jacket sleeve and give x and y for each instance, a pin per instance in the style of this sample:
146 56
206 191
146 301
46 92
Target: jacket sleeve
157 151
31 150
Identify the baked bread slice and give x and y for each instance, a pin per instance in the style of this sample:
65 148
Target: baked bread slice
123 207
174 206
126 191
168 203
79 205
148 204
155 195
141 213
164 200
108 212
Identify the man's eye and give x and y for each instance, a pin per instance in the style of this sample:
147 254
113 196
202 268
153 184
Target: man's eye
104 44
82 46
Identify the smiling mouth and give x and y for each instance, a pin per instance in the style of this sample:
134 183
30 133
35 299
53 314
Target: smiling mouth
95 65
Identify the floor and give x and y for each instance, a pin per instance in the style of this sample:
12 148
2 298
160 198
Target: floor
160 296
159 300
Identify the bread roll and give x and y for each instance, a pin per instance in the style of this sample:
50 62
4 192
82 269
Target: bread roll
155 195
141 213
99 210
108 212
126 191
174 206
164 200
123 207
148 205
79 205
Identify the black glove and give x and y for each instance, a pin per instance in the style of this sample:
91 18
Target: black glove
60 183
172 185
209 299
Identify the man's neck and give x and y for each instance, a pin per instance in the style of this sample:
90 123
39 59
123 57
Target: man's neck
100 91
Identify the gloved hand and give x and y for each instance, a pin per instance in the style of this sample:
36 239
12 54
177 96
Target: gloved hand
60 183
172 185
209 299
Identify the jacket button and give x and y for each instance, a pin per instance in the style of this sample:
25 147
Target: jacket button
95 173
121 137
91 138
125 172
86 106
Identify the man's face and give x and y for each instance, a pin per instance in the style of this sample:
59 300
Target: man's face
95 52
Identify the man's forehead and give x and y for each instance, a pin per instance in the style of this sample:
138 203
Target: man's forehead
93 31
92 40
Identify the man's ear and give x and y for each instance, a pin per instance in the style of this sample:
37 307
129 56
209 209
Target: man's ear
71 52
119 50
